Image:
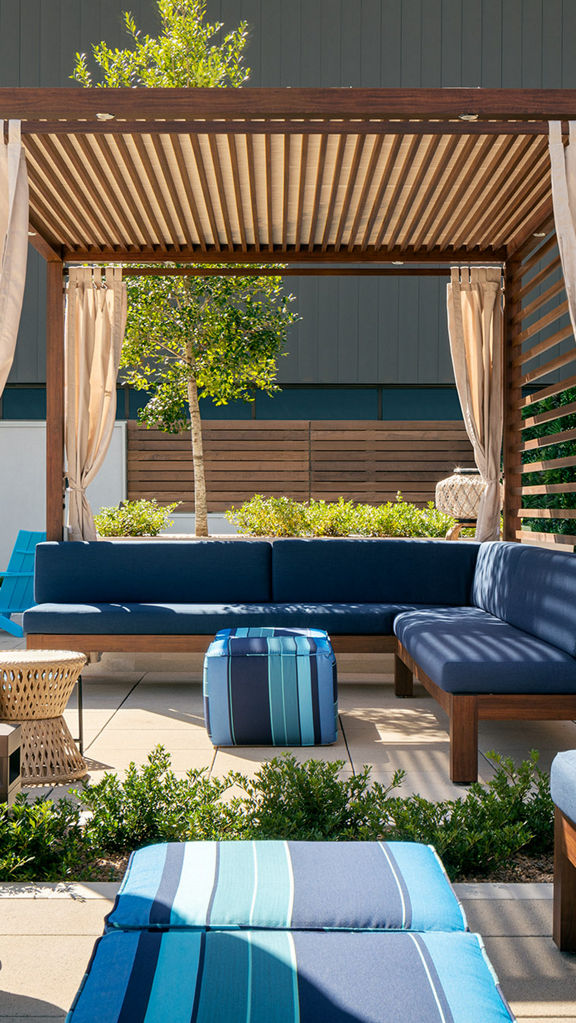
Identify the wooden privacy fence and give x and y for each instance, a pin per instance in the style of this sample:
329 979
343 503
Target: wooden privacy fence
367 460
540 404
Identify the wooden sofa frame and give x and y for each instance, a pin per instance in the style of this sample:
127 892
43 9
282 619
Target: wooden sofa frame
465 710
94 643
564 916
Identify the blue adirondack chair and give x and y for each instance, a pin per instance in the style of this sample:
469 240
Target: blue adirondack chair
17 589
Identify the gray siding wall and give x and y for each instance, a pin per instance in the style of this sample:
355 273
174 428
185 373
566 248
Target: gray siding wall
352 331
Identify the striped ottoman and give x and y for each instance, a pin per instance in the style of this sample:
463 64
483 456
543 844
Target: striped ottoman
266 976
270 687
396 886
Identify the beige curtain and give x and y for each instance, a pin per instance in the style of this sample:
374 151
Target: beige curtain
563 175
95 323
13 242
475 328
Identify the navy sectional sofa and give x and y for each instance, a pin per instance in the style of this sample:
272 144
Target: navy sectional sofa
490 630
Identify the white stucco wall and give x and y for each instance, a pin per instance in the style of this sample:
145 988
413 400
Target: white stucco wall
23 482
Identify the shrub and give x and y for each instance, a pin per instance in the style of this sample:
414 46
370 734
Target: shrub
269 516
282 516
152 805
39 841
484 829
306 801
134 518
309 802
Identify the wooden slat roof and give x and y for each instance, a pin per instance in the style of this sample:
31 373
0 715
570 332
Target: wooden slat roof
280 175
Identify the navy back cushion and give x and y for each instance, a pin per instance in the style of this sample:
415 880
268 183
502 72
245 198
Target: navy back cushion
148 571
531 588
374 571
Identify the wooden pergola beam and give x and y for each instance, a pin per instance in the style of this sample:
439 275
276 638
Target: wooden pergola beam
54 400
284 271
163 105
277 255
288 128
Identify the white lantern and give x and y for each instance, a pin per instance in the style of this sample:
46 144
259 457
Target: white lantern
459 495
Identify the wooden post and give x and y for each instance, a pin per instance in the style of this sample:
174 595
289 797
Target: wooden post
512 435
403 678
463 738
54 400
564 916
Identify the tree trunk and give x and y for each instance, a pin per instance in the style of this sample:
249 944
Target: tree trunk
201 526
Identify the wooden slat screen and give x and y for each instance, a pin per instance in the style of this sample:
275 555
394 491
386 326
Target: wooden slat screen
542 399
367 461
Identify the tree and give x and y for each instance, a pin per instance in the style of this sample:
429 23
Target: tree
213 337
191 337
185 53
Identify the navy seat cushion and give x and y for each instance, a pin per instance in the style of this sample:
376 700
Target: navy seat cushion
466 650
563 783
373 571
133 571
207 619
531 588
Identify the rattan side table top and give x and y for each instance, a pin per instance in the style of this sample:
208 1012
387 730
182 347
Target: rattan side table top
23 659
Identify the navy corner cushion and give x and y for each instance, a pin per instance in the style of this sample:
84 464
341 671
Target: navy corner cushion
368 571
148 571
528 587
563 783
467 650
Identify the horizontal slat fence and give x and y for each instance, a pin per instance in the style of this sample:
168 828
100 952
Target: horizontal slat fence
542 397
367 460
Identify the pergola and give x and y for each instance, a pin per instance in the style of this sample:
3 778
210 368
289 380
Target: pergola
333 180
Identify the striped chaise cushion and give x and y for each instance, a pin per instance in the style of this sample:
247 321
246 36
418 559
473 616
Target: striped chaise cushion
289 977
270 687
299 885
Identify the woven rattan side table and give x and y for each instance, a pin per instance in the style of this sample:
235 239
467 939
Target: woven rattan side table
35 686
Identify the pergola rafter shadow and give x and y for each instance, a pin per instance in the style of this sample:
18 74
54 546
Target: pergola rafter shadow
332 180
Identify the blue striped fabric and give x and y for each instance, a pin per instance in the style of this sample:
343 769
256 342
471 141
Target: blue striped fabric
283 885
270 687
289 977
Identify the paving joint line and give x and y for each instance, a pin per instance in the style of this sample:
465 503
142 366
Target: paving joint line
114 713
342 729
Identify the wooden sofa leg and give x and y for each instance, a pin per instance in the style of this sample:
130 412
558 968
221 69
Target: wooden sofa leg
403 678
463 739
564 918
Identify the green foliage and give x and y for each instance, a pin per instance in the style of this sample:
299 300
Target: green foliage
484 829
39 841
135 518
282 516
188 52
548 453
224 333
309 802
285 800
153 805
